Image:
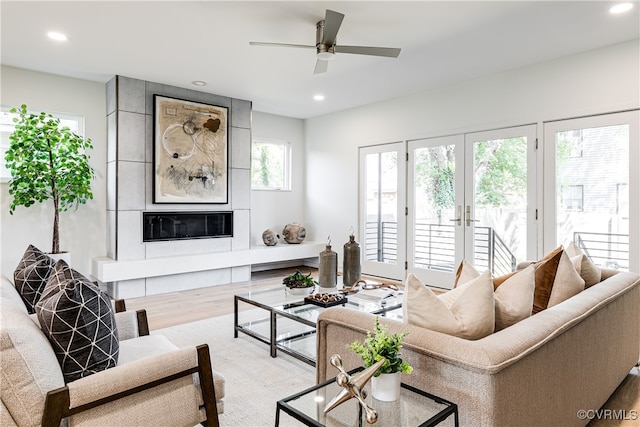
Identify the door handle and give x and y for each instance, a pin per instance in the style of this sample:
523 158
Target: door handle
468 216
459 218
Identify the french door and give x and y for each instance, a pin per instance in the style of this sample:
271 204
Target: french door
471 197
382 210
592 187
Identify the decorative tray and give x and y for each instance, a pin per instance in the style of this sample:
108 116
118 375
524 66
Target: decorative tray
325 300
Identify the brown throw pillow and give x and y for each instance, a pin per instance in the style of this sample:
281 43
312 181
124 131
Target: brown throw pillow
556 280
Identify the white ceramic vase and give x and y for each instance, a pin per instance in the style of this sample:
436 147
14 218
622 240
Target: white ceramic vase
386 387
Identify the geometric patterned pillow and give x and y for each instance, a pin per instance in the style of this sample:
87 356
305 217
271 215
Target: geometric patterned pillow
58 278
31 276
81 328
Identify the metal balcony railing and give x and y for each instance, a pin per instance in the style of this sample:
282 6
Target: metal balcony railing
435 247
607 250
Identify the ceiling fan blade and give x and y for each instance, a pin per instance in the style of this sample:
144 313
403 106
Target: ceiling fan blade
332 22
390 52
321 66
305 46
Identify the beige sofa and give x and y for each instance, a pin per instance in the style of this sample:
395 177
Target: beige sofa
154 381
539 372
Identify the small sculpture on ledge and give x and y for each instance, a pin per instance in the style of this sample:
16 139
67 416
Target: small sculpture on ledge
270 238
294 233
353 387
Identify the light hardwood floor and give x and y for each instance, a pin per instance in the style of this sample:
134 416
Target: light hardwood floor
196 304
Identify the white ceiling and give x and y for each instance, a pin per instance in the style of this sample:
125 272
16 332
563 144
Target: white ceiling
443 42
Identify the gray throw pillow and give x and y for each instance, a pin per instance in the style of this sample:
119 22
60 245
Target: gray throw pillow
31 275
80 324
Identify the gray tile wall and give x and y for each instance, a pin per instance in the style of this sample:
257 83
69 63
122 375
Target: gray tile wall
130 186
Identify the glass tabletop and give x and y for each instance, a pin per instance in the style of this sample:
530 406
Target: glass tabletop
413 408
283 301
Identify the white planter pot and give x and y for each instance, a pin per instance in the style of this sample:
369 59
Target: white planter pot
386 387
65 256
300 291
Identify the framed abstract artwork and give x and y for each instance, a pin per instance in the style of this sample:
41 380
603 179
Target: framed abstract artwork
190 152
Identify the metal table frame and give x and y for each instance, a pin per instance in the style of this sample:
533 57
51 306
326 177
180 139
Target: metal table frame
274 313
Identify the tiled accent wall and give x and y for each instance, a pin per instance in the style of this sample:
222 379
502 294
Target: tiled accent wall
130 187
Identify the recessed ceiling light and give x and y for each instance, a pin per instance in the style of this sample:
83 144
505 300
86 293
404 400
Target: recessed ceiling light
318 97
53 35
621 8
198 83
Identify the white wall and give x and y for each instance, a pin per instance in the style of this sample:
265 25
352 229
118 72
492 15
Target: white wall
599 81
275 209
82 232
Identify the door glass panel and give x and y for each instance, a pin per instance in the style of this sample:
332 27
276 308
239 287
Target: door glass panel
434 207
381 228
592 192
500 195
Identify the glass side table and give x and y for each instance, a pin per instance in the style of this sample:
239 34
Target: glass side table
414 408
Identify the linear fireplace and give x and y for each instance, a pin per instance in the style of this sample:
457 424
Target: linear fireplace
161 226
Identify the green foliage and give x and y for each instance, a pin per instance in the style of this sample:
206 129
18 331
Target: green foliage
47 162
501 172
380 345
299 280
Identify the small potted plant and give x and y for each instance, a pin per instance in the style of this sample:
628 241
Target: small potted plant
379 345
299 284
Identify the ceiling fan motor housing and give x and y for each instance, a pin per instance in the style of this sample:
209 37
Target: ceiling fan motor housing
323 51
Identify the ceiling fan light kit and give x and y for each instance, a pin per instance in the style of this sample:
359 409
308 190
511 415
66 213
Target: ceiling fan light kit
326 48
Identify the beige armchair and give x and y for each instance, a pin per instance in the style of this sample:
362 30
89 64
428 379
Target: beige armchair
153 382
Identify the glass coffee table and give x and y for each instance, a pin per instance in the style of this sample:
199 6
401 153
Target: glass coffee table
414 408
287 324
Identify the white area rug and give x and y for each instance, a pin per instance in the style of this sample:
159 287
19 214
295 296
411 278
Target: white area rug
254 381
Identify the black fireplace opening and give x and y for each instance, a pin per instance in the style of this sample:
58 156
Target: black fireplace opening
160 226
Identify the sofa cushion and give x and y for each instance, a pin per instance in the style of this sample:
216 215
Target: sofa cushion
556 280
153 345
28 366
81 327
60 275
590 273
513 293
31 275
467 311
514 297
9 295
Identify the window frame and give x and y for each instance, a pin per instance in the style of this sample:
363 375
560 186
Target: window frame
287 164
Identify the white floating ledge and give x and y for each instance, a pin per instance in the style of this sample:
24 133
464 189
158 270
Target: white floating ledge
105 269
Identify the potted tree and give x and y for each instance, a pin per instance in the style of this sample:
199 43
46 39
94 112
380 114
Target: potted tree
47 161
379 345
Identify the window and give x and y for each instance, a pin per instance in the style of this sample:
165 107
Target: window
270 165
73 122
573 196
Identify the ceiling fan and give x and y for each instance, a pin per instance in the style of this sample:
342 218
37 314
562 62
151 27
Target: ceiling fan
326 47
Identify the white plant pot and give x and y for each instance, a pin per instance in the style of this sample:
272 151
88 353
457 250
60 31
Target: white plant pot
300 291
386 387
65 256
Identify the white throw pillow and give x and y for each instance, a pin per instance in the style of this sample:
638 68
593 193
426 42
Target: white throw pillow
468 312
590 273
514 298
513 293
567 281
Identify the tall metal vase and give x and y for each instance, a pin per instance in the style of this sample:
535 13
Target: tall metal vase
328 269
351 268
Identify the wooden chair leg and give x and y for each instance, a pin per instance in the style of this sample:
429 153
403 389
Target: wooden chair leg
206 382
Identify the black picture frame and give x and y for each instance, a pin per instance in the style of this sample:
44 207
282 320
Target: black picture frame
190 152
